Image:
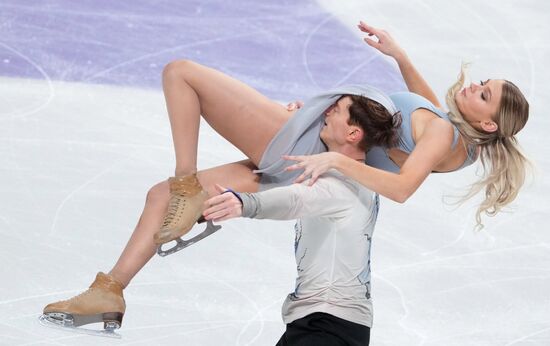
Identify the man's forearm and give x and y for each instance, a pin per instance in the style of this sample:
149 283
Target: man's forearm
296 201
283 203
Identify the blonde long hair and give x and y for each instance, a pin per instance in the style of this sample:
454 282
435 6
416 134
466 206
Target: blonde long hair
504 165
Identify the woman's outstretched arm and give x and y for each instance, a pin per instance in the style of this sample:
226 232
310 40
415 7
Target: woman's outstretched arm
431 148
387 45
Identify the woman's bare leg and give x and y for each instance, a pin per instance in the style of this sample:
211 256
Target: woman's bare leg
240 114
141 247
237 112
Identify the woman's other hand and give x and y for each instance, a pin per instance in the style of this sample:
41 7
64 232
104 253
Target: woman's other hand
384 43
292 106
222 207
313 165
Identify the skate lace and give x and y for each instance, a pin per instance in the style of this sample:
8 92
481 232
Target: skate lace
175 207
78 297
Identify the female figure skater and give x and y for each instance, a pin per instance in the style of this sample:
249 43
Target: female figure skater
482 122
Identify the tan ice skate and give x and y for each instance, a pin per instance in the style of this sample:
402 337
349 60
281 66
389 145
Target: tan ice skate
186 205
102 302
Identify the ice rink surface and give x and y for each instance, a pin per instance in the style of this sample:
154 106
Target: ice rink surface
84 134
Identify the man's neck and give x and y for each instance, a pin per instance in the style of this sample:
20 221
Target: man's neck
351 152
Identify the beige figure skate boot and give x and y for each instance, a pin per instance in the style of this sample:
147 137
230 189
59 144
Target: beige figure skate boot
187 198
102 302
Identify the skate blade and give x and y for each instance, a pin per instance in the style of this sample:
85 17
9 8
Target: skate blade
182 244
66 323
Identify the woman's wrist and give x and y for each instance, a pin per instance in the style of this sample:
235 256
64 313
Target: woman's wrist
337 161
401 57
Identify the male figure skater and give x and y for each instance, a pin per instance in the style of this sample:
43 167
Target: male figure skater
331 304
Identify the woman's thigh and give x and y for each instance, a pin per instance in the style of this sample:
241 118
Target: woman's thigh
237 176
240 114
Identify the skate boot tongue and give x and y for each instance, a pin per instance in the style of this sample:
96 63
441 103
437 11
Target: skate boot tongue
108 283
187 185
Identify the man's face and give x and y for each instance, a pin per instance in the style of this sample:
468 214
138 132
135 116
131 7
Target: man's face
336 130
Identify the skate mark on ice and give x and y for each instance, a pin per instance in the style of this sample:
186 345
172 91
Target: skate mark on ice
15 300
46 77
30 331
526 337
171 335
306 46
466 255
80 188
449 244
404 305
237 290
163 51
250 301
13 115
254 318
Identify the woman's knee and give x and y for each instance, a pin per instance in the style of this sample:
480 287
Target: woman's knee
178 69
159 193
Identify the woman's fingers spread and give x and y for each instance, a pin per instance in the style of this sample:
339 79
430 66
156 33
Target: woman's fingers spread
368 28
294 105
301 178
291 158
294 167
363 26
373 43
372 29
313 179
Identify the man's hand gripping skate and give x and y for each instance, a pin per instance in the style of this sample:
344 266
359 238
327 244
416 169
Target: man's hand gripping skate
227 205
218 208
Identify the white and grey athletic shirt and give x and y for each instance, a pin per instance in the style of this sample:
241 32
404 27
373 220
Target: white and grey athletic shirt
332 247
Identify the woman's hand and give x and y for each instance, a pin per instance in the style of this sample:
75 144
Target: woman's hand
222 207
385 44
313 165
292 106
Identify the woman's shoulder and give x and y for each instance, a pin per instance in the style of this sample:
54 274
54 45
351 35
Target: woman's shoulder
410 98
408 102
427 125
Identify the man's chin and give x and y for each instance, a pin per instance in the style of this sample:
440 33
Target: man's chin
325 144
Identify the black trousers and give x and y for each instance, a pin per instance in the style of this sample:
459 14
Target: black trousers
321 329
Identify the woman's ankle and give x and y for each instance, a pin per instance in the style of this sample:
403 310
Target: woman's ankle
122 279
183 172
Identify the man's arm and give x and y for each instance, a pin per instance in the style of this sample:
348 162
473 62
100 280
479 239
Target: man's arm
328 197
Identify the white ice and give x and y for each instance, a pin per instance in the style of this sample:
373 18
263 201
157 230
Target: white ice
76 161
